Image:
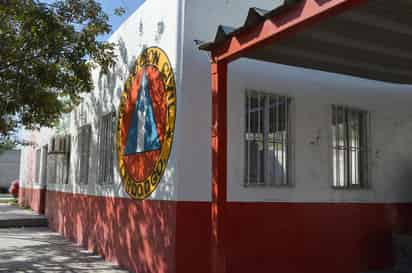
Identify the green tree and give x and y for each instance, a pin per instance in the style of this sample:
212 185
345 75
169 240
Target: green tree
47 51
7 144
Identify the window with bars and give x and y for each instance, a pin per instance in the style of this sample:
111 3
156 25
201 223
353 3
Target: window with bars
44 165
106 148
62 168
350 147
267 140
37 167
83 146
57 160
51 168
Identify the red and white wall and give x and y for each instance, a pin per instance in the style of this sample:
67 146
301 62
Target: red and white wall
32 193
307 228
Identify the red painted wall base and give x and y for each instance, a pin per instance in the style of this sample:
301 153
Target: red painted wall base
312 238
167 237
33 198
145 237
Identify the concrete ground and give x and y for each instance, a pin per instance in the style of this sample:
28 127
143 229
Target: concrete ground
14 216
14 212
5 197
37 250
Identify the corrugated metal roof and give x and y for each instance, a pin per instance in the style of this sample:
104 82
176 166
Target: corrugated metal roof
371 40
254 17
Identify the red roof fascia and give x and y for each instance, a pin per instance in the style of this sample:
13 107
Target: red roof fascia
293 19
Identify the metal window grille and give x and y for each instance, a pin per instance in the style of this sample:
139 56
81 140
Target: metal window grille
57 160
62 168
51 169
44 165
83 146
350 147
106 148
267 139
64 161
37 167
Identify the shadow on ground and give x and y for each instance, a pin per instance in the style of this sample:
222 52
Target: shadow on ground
38 250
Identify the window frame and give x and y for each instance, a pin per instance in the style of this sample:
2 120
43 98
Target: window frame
289 151
58 160
366 137
37 165
51 169
106 156
84 133
44 165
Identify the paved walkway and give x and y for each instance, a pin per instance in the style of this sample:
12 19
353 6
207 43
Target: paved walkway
14 216
5 197
37 250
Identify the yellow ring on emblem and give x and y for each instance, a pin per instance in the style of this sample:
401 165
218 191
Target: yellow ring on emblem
140 190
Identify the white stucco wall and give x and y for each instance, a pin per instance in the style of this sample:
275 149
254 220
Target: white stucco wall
201 21
37 139
313 93
139 31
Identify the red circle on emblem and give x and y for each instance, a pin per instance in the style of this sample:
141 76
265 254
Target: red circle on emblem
141 161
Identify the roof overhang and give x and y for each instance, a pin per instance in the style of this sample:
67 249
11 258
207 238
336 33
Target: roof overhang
363 38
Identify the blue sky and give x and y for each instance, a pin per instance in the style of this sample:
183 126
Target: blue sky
110 5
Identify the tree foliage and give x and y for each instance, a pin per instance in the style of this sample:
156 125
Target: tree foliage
47 51
7 144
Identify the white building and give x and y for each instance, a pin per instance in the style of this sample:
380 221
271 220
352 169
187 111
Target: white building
318 164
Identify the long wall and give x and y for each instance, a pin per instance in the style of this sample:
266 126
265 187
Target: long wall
157 235
32 192
306 228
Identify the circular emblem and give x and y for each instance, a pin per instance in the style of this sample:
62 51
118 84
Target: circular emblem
146 123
